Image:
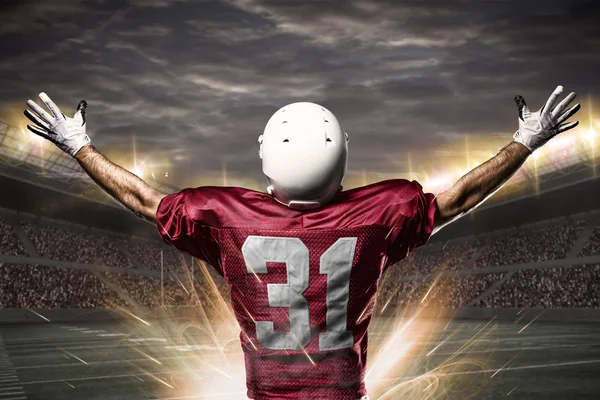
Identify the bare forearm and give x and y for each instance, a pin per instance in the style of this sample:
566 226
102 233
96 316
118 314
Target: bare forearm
125 187
480 183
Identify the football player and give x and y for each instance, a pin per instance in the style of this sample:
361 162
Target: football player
304 259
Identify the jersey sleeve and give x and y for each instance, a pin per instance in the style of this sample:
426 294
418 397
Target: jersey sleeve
186 221
413 224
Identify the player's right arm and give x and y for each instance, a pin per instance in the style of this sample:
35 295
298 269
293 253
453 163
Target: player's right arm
69 135
125 187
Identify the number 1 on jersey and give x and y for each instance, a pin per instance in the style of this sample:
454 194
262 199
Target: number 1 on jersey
336 263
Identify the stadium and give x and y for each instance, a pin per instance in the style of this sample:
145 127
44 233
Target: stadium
391 121
93 305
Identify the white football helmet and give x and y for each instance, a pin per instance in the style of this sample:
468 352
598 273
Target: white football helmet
304 151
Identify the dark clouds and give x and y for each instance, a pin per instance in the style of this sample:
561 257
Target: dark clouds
196 81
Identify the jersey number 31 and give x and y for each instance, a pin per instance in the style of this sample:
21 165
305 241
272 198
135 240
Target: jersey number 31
336 263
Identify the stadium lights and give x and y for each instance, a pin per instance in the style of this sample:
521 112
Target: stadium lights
28 156
561 142
32 136
563 153
589 135
137 170
439 183
465 171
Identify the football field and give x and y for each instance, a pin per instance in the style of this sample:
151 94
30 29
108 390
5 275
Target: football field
113 360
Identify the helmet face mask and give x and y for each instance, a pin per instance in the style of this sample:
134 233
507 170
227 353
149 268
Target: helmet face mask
304 152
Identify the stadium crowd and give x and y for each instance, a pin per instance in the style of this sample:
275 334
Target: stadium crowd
9 243
450 292
592 247
550 242
149 255
33 286
416 280
451 257
567 287
145 291
70 245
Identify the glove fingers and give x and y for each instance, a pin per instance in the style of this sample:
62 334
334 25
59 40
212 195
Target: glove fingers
80 114
552 99
521 105
51 106
568 114
567 126
563 104
36 120
41 132
38 131
40 111
82 106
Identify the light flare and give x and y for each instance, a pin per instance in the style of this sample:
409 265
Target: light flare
38 314
199 356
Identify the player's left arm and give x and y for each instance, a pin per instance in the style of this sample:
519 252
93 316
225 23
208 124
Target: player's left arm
535 129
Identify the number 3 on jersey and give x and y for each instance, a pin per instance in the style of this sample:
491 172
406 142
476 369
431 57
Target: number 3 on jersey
336 263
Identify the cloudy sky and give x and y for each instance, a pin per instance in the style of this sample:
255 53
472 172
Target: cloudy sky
192 83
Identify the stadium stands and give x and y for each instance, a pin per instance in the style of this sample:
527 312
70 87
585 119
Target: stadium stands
450 292
568 287
146 291
34 286
9 243
592 246
57 243
149 255
550 242
473 271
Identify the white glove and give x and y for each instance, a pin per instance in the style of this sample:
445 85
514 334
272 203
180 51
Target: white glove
536 128
67 133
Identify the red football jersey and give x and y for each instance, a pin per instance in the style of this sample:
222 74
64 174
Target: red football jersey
303 283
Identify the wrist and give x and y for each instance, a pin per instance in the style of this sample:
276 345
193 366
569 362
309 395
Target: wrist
83 152
521 147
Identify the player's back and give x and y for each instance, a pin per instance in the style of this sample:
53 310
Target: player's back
303 283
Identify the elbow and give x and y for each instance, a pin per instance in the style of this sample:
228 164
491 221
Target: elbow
147 206
450 206
460 206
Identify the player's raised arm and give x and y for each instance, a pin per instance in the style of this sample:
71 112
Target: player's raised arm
69 135
535 129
